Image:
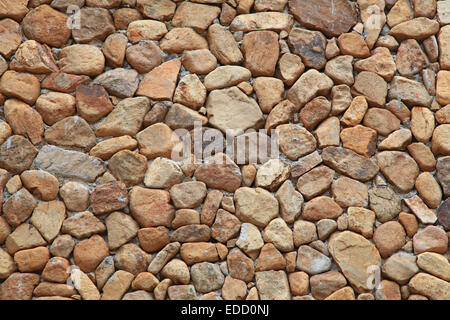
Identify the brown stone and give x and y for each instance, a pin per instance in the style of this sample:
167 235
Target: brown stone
327 133
197 252
19 207
399 168
196 16
159 84
410 92
56 270
125 119
418 28
381 120
191 233
372 86
10 36
290 67
199 61
389 238
132 259
385 202
349 193
347 162
144 56
55 106
270 259
63 82
82 225
89 253
19 286
153 239
310 46
340 69
354 45
332 18
92 102
430 286
95 24
423 156
109 197
71 132
354 255
151 208
240 266
24 120
321 208
223 45
361 220
163 173
397 140
46 25
31 260
29 85
381 62
124 16
430 239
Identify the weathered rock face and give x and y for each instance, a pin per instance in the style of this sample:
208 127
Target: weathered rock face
355 256
331 17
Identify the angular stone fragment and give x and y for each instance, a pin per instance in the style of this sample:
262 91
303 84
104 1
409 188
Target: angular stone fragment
295 141
423 213
340 69
349 163
361 220
381 62
24 120
385 203
19 286
273 285
179 39
95 24
256 206
71 132
330 17
34 57
372 86
223 45
397 140
92 102
23 237
46 25
151 208
226 76
312 261
129 167
310 46
119 82
11 37
410 58
269 91
82 225
430 239
84 285
67 164
354 45
48 218
181 117
196 16
354 256
207 277
63 82
275 21
349 193
310 84
125 119
327 133
159 84
7 265
399 168
410 92
381 120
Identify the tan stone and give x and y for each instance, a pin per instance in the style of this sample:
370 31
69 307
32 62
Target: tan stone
372 86
275 21
178 40
354 255
256 206
11 81
430 286
81 59
381 62
55 106
327 133
430 239
354 45
410 92
269 91
32 259
340 69
145 30
399 168
423 156
199 61
290 67
19 286
418 28
63 82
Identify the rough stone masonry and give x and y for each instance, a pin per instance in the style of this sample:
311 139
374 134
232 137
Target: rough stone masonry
355 206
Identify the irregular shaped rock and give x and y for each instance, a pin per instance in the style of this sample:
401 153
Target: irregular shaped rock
119 82
310 46
159 84
410 92
256 206
355 256
399 168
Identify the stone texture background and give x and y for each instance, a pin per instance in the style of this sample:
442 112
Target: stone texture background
356 206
